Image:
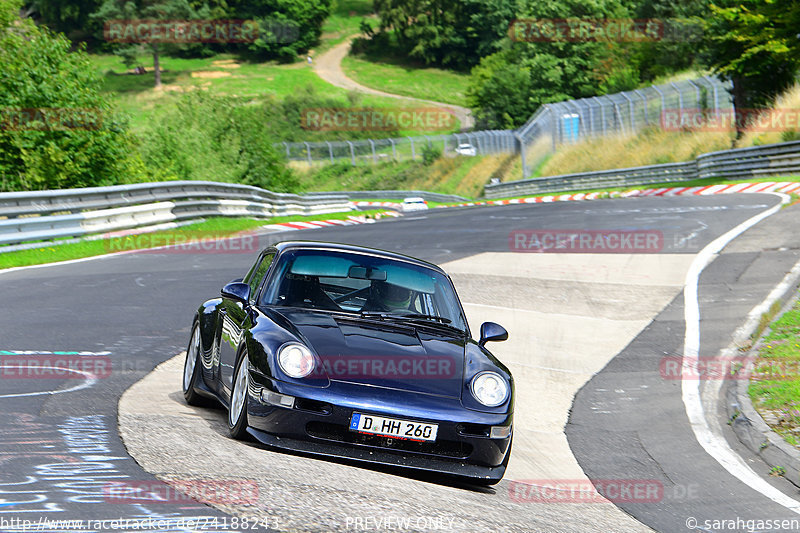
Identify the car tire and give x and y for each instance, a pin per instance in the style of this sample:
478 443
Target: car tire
192 368
237 407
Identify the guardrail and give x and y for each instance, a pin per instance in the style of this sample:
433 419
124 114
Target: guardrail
740 163
395 195
46 215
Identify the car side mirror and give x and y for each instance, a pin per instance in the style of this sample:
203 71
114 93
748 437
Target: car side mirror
236 290
492 332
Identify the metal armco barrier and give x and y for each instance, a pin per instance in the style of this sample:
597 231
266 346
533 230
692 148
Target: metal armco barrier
46 215
740 163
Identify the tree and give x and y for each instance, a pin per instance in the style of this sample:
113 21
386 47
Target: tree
56 129
71 18
755 44
288 27
449 33
146 10
508 86
219 138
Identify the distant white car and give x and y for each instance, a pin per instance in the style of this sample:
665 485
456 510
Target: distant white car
414 203
466 149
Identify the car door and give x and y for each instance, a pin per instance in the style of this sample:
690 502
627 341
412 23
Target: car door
235 320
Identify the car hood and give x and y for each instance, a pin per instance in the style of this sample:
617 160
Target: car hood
384 354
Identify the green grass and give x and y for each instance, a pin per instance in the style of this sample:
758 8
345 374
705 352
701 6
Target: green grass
775 384
344 21
208 229
135 95
399 77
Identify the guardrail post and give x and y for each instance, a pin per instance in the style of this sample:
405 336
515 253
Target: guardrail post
288 155
394 150
413 153
352 153
330 150
374 156
308 153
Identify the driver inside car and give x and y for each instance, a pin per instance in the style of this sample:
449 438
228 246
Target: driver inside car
385 296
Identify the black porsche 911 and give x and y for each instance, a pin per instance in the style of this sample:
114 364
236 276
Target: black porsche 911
350 352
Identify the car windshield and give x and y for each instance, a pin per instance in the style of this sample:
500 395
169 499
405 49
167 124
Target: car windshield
357 283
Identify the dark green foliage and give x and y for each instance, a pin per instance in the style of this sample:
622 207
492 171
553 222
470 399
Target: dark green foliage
291 27
754 43
430 154
448 33
56 130
510 85
205 137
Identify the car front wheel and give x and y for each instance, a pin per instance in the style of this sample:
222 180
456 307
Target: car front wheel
237 409
192 369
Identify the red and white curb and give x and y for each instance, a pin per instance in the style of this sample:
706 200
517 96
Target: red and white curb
767 186
390 205
309 224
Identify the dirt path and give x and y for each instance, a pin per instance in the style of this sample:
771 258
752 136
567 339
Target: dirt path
328 66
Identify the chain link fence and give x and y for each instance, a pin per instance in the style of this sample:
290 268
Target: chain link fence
552 125
659 106
371 151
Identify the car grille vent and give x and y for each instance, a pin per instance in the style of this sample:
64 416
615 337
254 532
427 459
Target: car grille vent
312 406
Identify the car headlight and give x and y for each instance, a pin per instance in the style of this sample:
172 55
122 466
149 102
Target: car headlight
295 360
489 388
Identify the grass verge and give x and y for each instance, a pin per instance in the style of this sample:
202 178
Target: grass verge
775 385
213 228
405 79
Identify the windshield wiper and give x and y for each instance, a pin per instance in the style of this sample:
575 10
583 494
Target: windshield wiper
387 314
430 320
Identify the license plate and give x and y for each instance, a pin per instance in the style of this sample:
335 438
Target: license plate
391 427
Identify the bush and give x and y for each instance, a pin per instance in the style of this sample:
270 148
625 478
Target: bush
430 154
56 130
205 137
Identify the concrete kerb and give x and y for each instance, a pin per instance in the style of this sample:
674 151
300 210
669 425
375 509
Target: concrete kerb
747 424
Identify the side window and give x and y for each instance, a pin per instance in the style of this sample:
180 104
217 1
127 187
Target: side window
257 275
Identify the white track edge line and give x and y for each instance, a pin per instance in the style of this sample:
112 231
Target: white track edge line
715 446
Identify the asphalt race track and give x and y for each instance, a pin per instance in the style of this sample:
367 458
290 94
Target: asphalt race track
599 325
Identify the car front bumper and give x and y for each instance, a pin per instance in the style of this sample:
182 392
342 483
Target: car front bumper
318 423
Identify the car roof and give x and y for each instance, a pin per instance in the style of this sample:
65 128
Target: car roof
333 246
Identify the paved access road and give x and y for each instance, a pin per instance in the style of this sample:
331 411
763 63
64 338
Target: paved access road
62 449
